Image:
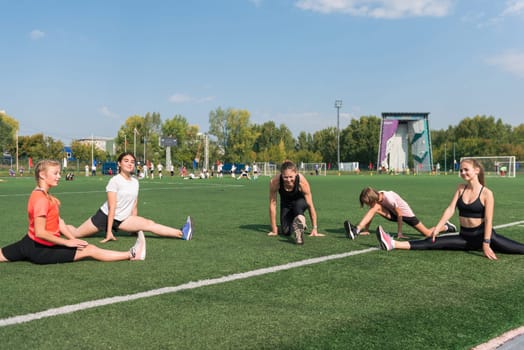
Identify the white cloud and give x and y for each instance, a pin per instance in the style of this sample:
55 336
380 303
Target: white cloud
36 34
511 61
257 3
183 98
514 8
390 9
104 110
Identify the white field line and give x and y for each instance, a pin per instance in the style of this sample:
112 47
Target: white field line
166 290
174 187
190 285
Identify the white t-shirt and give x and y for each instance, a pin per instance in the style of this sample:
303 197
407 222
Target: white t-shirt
126 195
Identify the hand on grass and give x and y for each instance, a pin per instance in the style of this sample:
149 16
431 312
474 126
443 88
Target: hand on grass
272 234
109 237
314 233
488 252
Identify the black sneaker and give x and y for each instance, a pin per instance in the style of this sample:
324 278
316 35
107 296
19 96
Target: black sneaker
451 228
351 231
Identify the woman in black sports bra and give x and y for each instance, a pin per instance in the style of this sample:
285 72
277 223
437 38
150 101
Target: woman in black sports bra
475 204
295 199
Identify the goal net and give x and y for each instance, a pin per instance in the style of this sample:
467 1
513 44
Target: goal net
313 168
496 166
266 169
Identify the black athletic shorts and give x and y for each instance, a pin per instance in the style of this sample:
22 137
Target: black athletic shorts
28 250
100 221
411 221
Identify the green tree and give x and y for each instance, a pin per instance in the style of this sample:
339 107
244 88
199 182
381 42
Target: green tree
8 129
218 127
325 142
152 132
178 127
40 147
305 142
84 151
129 136
359 140
241 136
234 134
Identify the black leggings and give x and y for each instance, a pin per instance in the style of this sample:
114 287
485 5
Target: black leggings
289 212
469 239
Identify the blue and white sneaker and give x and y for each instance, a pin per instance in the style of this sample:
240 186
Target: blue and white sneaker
187 230
384 239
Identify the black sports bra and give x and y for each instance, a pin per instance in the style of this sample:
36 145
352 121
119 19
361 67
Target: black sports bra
474 209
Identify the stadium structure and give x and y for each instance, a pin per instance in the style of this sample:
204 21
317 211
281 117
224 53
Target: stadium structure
405 142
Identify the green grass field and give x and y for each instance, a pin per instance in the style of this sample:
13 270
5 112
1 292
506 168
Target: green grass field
370 300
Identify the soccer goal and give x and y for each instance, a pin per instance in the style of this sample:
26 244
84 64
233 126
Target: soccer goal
266 169
496 166
313 168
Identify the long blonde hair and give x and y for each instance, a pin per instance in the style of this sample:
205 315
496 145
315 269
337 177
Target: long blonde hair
42 166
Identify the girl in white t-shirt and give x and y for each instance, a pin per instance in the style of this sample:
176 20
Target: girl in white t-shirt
120 211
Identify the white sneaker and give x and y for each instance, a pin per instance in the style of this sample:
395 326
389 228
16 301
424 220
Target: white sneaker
299 225
385 240
138 251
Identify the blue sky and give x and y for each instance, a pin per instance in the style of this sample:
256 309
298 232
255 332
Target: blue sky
72 69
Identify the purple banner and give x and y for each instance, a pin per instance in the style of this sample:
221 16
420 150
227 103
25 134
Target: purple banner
389 127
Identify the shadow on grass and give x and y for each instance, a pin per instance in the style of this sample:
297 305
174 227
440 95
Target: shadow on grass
256 227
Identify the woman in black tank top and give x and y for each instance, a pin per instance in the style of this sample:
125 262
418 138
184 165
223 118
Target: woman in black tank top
475 204
295 200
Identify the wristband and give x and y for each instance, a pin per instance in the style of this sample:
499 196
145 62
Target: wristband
315 227
488 241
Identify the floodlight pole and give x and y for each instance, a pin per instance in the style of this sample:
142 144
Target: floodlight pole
92 151
338 104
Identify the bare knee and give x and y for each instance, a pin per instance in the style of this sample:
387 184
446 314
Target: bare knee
86 252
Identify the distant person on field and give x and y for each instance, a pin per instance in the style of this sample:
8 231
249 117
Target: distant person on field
159 168
295 199
152 170
244 173
48 239
120 211
220 172
391 207
475 204
255 171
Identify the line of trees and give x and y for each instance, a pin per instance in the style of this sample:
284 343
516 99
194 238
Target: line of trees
234 138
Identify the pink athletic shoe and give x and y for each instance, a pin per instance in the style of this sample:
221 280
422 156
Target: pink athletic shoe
385 240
